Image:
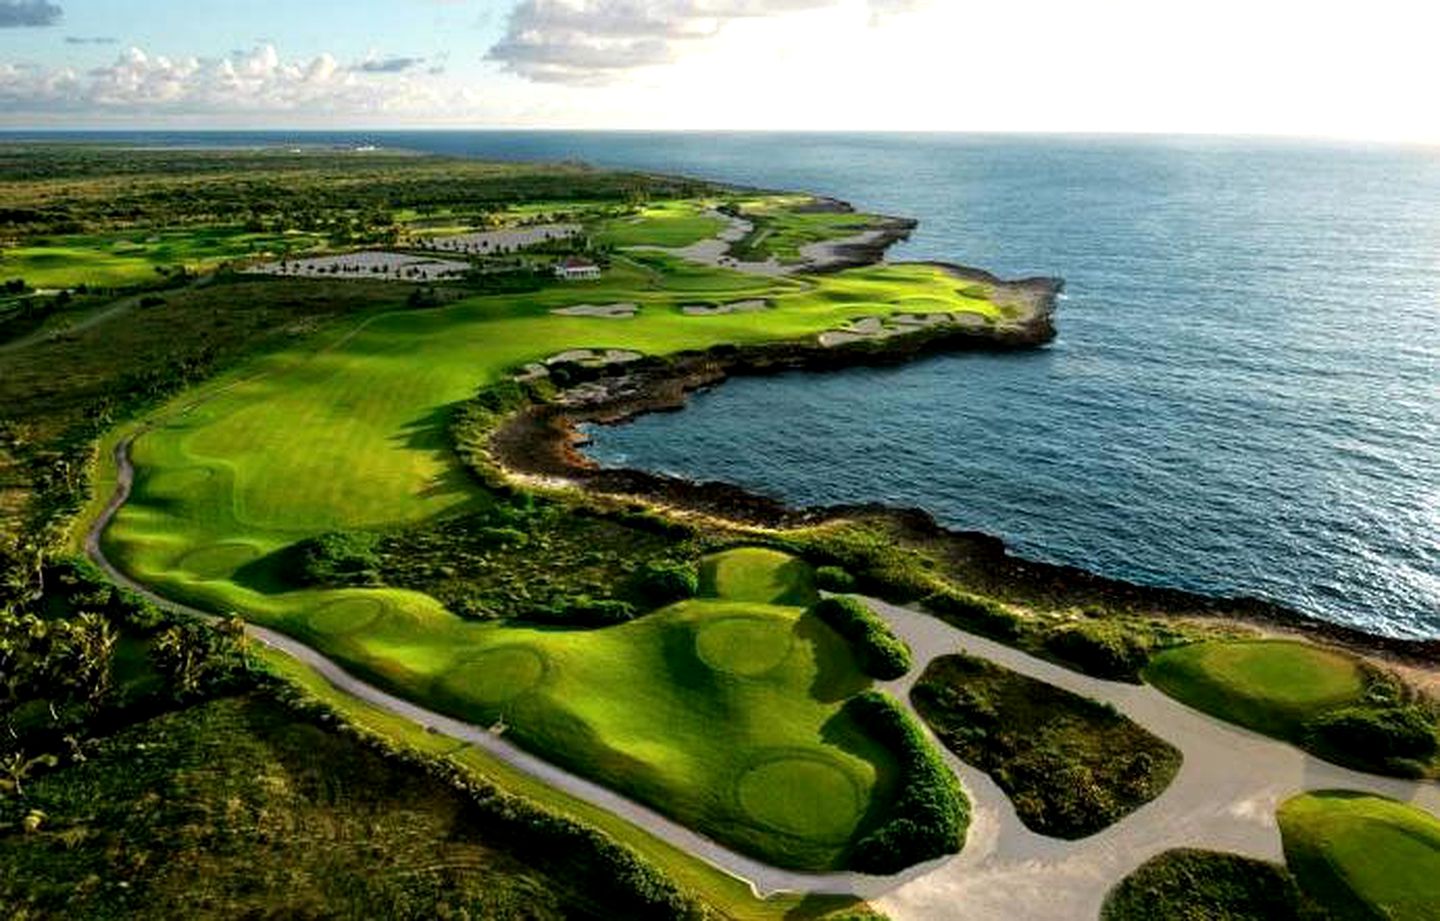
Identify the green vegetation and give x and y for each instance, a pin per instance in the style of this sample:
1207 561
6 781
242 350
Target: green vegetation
929 817
1071 766
234 807
671 224
1364 856
758 574
1327 702
785 223
1193 885
882 654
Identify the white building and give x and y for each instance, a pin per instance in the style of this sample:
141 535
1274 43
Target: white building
573 269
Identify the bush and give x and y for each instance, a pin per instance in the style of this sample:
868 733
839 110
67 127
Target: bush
339 558
971 612
1102 650
1379 733
152 300
834 579
662 582
929 816
882 654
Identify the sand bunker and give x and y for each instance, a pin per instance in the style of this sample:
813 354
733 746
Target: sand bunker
500 241
371 264
714 250
606 311
707 310
872 328
594 358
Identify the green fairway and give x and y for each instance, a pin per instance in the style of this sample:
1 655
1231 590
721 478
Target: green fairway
663 224
1272 686
134 257
724 711
1364 856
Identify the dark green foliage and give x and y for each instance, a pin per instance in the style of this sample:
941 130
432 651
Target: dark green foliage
662 582
1070 765
930 813
338 558
1195 885
578 567
1384 734
834 579
882 654
1103 649
237 808
973 613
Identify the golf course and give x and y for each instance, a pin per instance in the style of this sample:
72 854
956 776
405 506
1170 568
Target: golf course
358 496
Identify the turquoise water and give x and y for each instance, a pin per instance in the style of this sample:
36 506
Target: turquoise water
1245 396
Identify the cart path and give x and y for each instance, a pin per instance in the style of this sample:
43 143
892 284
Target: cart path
1223 798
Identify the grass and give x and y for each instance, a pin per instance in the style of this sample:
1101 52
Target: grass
1071 766
1364 856
234 808
680 709
132 258
675 224
1195 885
782 227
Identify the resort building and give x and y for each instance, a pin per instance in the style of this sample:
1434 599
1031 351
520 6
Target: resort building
573 269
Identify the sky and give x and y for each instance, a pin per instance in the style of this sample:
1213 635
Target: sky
1241 67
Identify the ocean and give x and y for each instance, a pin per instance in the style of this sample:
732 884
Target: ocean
1244 397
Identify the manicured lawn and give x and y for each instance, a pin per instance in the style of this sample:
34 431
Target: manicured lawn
1364 856
664 224
1272 686
758 574
724 711
133 257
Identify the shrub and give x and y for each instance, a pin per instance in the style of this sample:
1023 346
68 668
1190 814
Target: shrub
971 612
930 813
662 582
1379 733
339 558
834 579
882 654
152 300
1102 650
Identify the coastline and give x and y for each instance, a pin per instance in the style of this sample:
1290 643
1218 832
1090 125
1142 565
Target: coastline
542 443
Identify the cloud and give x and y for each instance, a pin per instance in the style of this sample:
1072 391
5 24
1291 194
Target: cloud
593 41
254 81
22 13
91 40
392 65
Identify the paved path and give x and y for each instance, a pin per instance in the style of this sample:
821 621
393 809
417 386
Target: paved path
1223 798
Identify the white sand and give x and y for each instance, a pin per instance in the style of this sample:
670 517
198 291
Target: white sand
606 311
706 310
863 328
373 264
592 358
508 239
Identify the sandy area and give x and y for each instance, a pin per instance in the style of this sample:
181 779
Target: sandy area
1224 798
713 250
866 328
606 311
374 264
594 357
508 239
706 310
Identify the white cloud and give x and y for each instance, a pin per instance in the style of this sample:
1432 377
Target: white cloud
254 81
597 41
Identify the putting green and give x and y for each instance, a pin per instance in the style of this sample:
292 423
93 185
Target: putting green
744 646
801 795
669 709
496 675
1364 856
757 574
1269 685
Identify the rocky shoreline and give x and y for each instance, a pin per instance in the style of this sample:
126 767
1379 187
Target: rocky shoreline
543 442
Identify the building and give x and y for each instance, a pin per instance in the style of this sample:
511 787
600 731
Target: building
573 269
